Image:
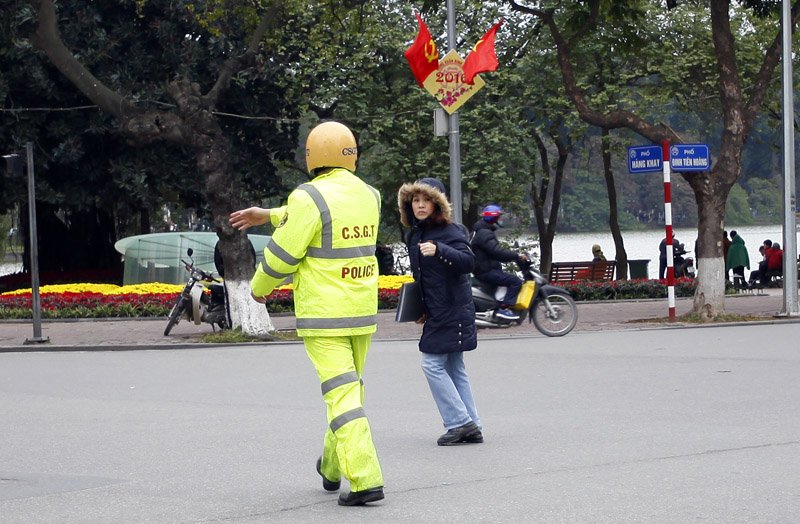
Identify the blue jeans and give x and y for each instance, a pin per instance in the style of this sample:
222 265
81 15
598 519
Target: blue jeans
449 383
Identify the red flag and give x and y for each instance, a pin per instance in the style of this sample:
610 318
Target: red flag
422 56
482 58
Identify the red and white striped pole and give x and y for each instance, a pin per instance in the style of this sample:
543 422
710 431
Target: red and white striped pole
668 226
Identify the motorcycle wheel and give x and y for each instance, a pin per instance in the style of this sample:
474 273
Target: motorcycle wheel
175 315
556 315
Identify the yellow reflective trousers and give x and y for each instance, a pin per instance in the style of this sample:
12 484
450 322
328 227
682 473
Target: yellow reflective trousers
348 449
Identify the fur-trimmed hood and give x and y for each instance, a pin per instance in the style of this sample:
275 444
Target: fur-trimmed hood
430 187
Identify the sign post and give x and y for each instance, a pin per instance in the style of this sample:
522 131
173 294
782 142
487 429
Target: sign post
668 228
681 157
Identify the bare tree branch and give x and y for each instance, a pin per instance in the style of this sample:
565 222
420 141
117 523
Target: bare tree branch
48 39
233 65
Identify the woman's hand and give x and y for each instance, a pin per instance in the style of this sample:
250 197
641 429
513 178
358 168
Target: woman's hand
252 216
428 249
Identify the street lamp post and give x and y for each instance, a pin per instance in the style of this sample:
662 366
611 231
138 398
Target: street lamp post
790 303
14 163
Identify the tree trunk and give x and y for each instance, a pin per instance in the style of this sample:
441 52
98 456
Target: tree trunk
545 193
710 195
192 124
613 222
212 152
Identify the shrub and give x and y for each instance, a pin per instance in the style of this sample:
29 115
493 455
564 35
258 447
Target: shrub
627 289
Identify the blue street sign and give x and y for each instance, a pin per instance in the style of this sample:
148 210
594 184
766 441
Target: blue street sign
689 157
643 159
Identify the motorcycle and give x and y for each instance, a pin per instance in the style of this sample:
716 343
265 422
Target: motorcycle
683 266
195 304
552 309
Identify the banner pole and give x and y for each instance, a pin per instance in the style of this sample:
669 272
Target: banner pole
452 128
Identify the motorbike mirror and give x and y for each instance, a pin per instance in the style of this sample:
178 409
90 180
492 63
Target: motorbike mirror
189 251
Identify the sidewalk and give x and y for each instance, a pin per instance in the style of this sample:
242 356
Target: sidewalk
147 333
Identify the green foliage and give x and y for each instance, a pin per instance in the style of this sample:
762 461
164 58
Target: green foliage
766 200
135 48
737 209
585 205
345 60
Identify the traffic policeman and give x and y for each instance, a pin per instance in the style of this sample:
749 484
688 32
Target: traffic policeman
325 239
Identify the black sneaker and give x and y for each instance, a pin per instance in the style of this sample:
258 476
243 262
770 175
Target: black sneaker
359 498
327 484
476 437
456 435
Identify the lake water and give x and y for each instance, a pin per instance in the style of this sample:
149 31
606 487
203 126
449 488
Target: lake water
573 247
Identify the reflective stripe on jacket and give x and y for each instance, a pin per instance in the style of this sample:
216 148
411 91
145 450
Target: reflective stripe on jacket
325 237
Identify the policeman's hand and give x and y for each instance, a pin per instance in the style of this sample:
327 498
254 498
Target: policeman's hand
252 216
523 257
260 300
428 249
422 319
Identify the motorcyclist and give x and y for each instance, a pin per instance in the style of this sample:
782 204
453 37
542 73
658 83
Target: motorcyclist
489 254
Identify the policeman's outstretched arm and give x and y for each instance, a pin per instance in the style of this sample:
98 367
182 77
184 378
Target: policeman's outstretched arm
252 216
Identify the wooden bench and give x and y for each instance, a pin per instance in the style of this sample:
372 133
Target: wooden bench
568 271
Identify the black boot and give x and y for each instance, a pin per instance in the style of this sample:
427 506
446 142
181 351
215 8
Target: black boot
456 435
359 498
327 484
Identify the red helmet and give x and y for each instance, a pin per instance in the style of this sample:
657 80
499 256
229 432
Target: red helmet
492 213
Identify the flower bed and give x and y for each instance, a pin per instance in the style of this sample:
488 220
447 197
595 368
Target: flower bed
156 300
141 300
628 289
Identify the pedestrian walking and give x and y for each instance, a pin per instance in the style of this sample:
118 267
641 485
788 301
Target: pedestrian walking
441 261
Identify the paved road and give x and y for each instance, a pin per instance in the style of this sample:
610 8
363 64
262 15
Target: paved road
648 426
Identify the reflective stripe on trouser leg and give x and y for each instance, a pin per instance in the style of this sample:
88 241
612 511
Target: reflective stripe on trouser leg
348 449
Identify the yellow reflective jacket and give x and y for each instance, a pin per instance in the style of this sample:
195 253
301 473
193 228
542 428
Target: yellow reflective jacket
325 237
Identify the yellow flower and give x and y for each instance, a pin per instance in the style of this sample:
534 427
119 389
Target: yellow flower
393 281
384 282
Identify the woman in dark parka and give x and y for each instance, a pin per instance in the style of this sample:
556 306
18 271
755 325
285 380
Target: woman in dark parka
441 261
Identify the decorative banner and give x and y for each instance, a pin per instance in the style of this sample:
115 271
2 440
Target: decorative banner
482 59
448 84
422 56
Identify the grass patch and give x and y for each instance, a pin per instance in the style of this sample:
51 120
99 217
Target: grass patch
228 336
237 337
694 318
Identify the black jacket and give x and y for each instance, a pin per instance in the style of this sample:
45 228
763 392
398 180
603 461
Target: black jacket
446 288
488 251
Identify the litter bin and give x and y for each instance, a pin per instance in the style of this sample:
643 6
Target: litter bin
638 268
